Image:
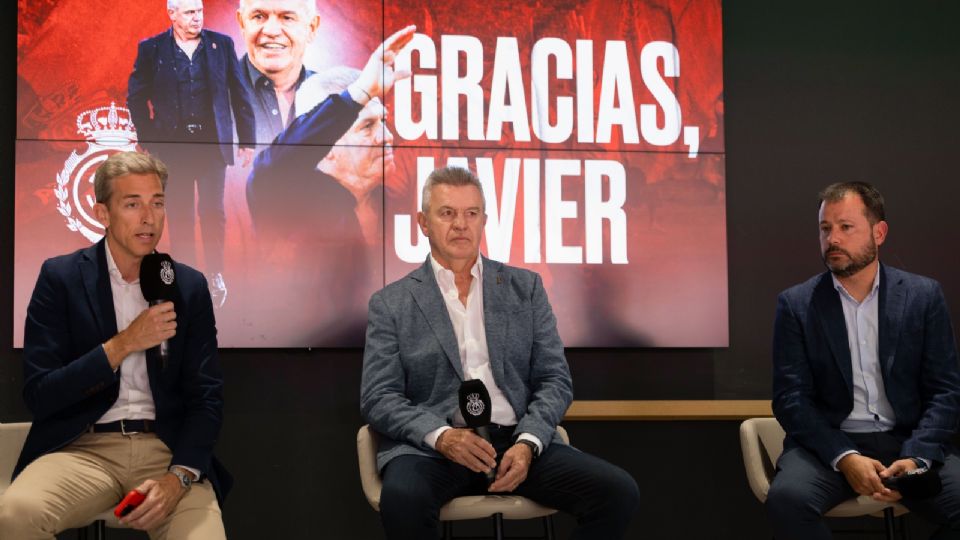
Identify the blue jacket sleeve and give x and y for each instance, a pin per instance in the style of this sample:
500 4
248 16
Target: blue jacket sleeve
550 381
939 384
794 392
53 379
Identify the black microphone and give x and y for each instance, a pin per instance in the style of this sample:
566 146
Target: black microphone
475 408
158 283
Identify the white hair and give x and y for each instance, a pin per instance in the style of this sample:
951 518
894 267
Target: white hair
309 5
173 4
450 175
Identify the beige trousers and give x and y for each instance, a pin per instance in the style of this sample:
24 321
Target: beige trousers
66 489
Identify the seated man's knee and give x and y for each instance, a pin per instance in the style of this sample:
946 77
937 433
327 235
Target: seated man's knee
788 503
624 489
408 498
20 513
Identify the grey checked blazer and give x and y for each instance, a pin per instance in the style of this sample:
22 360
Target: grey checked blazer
411 361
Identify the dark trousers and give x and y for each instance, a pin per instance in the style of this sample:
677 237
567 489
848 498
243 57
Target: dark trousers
602 496
804 489
195 168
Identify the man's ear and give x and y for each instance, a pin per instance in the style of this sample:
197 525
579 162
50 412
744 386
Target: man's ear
422 221
102 214
328 165
314 26
880 229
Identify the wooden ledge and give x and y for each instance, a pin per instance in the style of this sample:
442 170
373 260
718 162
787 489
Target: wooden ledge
707 409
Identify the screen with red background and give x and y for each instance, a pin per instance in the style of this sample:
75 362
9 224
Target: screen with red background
595 127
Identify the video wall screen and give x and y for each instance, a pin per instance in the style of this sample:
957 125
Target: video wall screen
595 126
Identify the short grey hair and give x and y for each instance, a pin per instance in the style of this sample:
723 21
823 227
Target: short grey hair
173 4
316 88
450 176
122 164
310 5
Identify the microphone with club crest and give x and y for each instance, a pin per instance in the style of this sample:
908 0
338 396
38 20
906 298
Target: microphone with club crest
158 283
475 408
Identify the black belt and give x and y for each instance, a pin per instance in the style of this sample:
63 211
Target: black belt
127 427
193 129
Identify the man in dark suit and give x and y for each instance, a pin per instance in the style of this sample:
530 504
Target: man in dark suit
109 415
184 85
866 382
462 316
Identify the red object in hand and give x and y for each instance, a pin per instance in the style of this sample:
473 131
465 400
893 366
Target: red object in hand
131 501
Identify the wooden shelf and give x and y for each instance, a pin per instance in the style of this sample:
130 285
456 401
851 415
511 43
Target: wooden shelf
723 409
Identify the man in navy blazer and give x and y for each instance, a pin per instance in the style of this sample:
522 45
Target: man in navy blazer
184 85
110 415
866 382
462 316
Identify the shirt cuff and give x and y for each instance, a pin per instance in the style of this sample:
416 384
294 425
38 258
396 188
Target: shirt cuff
926 463
358 95
191 470
533 439
431 438
837 459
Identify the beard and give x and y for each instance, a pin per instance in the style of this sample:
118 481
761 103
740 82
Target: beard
854 263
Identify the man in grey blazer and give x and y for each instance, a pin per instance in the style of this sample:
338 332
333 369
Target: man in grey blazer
462 316
865 378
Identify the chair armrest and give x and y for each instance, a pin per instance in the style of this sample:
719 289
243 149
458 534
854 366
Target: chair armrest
753 460
367 457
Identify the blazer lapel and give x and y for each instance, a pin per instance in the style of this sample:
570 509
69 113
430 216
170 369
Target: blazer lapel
495 286
826 301
96 282
891 306
426 293
212 56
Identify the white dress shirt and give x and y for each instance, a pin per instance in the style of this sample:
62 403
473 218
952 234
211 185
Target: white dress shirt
135 401
871 411
472 343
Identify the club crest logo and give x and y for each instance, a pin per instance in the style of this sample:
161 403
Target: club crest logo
166 273
474 404
108 130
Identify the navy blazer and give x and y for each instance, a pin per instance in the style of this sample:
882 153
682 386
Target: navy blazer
153 83
411 361
812 373
69 385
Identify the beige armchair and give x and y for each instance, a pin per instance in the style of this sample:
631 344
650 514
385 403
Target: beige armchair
498 507
761 440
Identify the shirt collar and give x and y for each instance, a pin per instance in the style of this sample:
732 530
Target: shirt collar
256 76
113 269
840 288
438 270
173 38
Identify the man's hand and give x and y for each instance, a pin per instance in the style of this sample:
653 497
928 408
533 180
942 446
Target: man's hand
245 156
513 468
863 475
378 76
163 494
898 467
463 446
153 325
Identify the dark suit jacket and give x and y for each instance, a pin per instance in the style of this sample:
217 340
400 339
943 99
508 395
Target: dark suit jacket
284 186
411 360
69 385
153 83
812 373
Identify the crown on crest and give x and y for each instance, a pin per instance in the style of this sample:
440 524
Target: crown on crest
107 126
